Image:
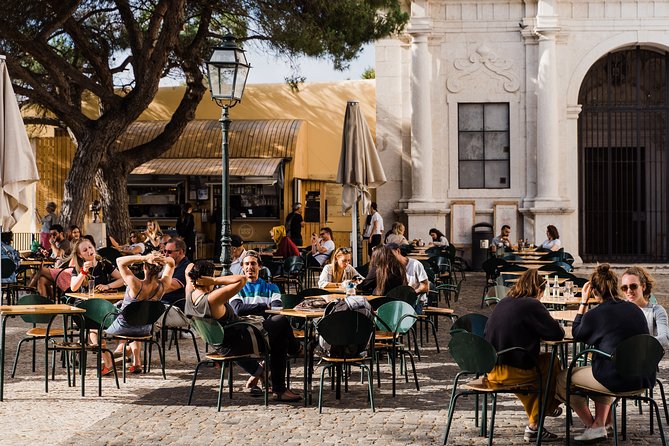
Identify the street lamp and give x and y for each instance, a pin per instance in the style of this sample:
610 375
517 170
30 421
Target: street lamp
227 71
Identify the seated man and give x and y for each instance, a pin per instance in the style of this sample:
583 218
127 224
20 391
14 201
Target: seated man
175 293
256 297
321 247
416 274
502 241
237 252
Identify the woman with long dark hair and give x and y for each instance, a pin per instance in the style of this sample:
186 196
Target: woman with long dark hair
521 320
385 272
552 243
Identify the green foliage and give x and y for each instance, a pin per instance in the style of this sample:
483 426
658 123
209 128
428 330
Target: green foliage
369 73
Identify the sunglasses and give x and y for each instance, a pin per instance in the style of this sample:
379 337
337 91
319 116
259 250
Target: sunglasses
170 251
345 250
53 233
632 286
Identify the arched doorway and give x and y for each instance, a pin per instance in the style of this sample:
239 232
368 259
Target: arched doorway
623 158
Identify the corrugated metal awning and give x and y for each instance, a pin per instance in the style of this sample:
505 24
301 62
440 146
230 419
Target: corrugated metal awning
239 167
268 138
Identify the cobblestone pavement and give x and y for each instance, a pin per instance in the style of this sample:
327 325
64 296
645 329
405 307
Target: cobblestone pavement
150 410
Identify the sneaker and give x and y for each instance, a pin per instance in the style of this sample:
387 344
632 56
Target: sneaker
592 434
530 435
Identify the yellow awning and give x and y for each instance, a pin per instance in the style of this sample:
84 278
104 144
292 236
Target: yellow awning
239 167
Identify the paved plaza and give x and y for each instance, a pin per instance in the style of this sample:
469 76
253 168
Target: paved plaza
150 410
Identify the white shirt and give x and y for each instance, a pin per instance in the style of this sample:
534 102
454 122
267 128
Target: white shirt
236 265
548 244
321 257
415 273
376 217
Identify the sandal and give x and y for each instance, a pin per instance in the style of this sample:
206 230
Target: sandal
135 369
255 391
287 398
105 371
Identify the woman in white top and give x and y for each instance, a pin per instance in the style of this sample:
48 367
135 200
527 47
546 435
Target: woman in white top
397 234
552 243
637 285
438 238
339 270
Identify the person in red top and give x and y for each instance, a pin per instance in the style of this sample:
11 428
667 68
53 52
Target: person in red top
284 245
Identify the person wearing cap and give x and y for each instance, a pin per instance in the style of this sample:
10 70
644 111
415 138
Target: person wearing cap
294 224
237 252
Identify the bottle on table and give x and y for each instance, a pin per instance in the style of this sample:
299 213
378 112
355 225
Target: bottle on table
350 288
556 288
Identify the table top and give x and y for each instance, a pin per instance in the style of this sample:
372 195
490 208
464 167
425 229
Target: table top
304 314
560 279
564 315
112 297
530 262
34 262
561 301
419 256
17 310
333 296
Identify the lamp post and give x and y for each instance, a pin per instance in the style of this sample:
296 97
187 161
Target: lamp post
227 70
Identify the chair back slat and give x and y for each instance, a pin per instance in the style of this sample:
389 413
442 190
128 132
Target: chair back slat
35 299
638 356
392 316
8 268
404 293
346 329
209 329
472 353
96 311
145 312
473 323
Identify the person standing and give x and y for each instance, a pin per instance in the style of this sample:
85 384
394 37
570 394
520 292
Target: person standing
377 228
47 221
186 228
295 223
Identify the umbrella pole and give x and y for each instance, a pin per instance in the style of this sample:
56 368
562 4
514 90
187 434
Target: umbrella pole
354 232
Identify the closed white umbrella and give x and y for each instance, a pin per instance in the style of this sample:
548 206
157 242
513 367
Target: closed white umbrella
18 169
359 167
17 159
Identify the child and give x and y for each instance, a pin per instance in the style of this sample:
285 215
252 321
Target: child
49 219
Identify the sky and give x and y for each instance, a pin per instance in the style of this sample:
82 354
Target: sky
267 69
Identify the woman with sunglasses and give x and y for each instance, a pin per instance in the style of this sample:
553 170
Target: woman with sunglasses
603 327
637 286
339 270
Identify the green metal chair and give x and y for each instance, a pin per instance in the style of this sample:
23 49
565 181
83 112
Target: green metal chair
476 356
137 314
637 356
491 267
347 329
213 334
397 318
471 323
94 319
35 333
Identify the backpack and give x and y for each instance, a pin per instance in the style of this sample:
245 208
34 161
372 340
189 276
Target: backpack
355 303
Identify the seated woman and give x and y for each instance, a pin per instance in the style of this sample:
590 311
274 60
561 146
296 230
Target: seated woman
135 246
73 233
90 267
202 301
8 252
637 286
438 238
552 243
339 270
397 234
521 320
158 271
153 236
603 327
284 245
385 272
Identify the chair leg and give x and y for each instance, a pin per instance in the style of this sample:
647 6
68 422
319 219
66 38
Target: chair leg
370 385
451 409
615 423
664 401
654 405
197 352
320 389
492 418
192 385
16 357
413 366
220 387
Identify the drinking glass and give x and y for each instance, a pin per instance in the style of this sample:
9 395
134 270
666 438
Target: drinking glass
91 287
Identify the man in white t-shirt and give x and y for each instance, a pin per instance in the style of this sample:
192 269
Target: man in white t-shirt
321 247
416 275
376 231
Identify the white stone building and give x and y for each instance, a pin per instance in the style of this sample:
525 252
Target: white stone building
530 113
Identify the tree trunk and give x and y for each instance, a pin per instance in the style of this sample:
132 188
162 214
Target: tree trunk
112 182
79 182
